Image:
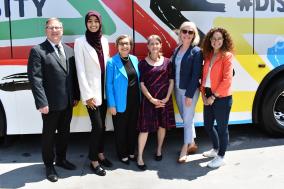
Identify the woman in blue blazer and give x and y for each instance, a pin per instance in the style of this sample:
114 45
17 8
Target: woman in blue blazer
123 96
187 61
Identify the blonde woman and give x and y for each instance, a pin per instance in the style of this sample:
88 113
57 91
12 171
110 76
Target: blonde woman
187 60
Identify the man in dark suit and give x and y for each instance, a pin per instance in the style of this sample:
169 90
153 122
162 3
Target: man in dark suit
52 74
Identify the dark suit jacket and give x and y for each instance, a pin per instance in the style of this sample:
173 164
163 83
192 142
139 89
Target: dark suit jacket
190 69
51 84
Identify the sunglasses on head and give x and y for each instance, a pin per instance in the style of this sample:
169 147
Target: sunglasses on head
190 32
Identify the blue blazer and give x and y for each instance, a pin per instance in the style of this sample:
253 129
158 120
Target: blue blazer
190 69
117 82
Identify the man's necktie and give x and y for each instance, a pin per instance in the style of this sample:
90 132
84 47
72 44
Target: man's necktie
61 56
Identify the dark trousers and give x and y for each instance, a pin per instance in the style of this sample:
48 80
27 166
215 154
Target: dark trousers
97 118
219 111
125 126
60 121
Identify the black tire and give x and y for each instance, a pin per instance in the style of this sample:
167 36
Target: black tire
2 124
272 111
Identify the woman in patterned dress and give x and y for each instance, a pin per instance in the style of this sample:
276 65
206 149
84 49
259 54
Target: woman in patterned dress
156 109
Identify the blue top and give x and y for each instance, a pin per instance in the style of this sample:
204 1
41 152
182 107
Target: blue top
117 82
190 69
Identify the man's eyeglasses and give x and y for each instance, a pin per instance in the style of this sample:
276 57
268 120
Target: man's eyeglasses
190 32
54 27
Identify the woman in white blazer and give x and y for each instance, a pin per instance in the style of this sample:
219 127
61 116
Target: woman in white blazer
91 54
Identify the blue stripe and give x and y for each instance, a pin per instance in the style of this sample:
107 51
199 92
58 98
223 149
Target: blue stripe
200 124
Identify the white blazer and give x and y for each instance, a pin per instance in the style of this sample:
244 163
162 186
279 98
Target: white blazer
88 69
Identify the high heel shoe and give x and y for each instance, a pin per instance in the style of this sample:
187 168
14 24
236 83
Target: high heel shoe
158 158
192 149
142 167
98 170
183 159
133 158
126 162
105 162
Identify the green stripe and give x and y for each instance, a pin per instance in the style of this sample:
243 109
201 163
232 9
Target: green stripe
4 30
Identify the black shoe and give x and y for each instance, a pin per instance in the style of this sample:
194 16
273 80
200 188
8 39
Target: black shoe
158 158
98 170
65 164
105 162
142 167
125 161
51 174
132 158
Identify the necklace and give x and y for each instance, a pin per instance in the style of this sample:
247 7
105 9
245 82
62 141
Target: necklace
155 60
125 58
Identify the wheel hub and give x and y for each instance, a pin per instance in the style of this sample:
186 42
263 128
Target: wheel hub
278 109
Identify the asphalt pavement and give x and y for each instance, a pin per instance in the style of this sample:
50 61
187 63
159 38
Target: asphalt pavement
253 160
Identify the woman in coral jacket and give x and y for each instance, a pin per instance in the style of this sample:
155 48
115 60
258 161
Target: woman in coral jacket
91 54
216 90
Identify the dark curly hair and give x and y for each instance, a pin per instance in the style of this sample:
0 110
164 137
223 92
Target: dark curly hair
227 42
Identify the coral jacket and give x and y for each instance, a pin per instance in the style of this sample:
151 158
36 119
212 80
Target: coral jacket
221 74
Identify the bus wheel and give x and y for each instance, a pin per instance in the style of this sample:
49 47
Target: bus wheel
2 124
273 109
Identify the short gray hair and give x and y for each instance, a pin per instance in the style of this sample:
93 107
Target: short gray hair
51 19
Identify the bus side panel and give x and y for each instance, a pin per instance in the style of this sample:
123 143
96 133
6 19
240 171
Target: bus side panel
7 98
147 23
269 37
5 48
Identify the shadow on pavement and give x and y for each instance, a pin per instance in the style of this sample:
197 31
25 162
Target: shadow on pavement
27 150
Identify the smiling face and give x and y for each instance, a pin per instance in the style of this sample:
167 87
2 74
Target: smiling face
187 34
54 31
154 46
93 24
216 41
124 46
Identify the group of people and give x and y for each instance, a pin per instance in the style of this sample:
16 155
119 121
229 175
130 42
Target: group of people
138 94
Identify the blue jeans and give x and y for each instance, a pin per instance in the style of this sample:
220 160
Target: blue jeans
219 111
187 114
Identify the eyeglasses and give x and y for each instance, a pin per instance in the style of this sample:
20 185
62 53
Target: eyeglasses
54 27
189 32
122 44
216 39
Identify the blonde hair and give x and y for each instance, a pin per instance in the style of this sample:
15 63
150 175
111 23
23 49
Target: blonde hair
192 25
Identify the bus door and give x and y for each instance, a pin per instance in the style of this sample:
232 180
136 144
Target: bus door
27 30
7 69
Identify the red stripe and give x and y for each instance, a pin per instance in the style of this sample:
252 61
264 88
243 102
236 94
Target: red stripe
122 8
22 53
5 52
144 24
142 19
13 62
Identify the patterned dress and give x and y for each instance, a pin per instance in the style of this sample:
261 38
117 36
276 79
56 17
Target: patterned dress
156 80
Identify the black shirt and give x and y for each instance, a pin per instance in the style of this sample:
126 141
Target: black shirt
130 71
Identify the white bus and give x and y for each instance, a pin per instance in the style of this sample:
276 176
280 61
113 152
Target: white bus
257 28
